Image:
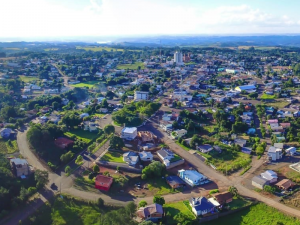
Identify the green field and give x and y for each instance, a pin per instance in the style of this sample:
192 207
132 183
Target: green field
279 104
6 148
259 214
113 157
238 203
267 97
85 136
131 66
27 79
88 84
160 187
173 209
98 49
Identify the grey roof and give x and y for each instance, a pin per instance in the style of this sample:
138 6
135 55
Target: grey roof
259 180
164 152
18 161
206 147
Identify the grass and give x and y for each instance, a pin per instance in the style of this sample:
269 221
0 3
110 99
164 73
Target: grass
159 186
259 214
238 203
6 148
85 136
293 175
131 66
176 158
182 146
99 115
279 104
98 49
173 209
88 84
28 79
267 97
113 157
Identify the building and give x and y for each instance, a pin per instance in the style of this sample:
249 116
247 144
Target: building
270 176
240 142
141 95
146 136
175 182
152 212
274 153
166 126
178 58
20 167
291 151
129 133
247 88
205 148
146 156
165 155
178 133
201 206
192 177
90 126
5 132
103 182
131 158
259 182
285 184
223 198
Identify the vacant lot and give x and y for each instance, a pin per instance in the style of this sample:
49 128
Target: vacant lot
28 79
173 209
259 214
134 66
113 157
266 97
85 136
88 84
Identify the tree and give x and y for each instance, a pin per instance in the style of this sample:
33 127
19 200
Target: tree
147 222
104 103
66 157
109 129
79 160
130 208
55 105
41 178
116 142
142 203
100 202
159 200
154 169
96 169
67 169
233 190
71 119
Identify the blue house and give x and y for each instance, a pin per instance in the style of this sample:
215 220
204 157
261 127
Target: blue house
5 132
201 206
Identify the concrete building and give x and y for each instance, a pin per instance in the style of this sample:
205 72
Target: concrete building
192 177
141 95
274 153
20 167
178 58
259 182
129 133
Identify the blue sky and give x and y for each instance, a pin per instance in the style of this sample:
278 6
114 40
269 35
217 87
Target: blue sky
61 18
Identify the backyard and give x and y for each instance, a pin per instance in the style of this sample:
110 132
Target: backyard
259 214
113 157
172 209
85 136
88 84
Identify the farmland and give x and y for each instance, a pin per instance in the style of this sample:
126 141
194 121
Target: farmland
28 79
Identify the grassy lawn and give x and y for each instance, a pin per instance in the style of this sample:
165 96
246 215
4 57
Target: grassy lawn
259 214
182 146
86 136
6 148
113 157
174 208
160 187
238 203
228 161
28 79
279 104
98 49
131 66
293 175
99 115
176 158
88 84
265 96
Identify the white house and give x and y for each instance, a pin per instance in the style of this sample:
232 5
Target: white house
141 95
259 182
146 156
201 206
274 153
247 88
291 151
192 177
131 158
90 126
270 176
129 133
165 155
166 125
205 148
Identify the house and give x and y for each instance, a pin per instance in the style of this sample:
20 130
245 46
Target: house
274 153
291 151
103 110
205 148
166 126
201 206
270 176
285 184
178 133
152 212
20 167
5 132
192 177
165 155
141 95
103 182
259 182
240 142
83 115
247 88
129 133
175 182
131 158
146 156
278 145
63 142
223 198
167 117
44 110
146 136
90 126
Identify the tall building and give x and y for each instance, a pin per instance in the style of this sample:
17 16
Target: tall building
178 57
186 58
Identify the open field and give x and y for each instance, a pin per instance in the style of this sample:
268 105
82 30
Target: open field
131 66
86 136
177 207
259 214
28 79
88 84
238 203
99 48
279 104
265 96
113 157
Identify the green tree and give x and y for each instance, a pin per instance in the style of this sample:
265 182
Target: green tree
96 169
67 169
79 160
109 129
66 157
100 202
41 178
116 142
142 203
159 200
233 190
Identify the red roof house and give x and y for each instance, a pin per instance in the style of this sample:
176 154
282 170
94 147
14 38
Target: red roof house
103 182
63 142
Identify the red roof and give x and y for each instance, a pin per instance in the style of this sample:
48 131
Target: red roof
103 182
63 142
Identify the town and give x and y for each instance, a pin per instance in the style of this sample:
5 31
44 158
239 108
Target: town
149 135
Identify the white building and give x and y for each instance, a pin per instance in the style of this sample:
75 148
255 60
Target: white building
274 153
192 177
270 176
146 156
129 133
178 58
141 95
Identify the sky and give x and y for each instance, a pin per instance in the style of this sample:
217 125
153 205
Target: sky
68 18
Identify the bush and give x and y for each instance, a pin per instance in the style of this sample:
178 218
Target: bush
100 202
214 191
142 203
